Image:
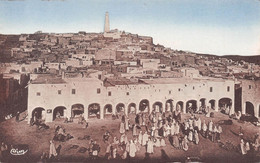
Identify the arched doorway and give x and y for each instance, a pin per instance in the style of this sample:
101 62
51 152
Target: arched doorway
132 108
202 103
250 109
212 104
169 106
77 110
225 105
38 113
179 106
120 108
157 107
58 112
94 110
144 106
108 110
191 106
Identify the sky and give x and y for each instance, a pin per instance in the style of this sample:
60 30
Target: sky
221 27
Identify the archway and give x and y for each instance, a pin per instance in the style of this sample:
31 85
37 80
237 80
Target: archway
179 106
120 108
108 110
144 106
225 105
169 106
38 113
157 107
58 112
94 110
77 110
132 108
202 103
212 104
191 106
250 108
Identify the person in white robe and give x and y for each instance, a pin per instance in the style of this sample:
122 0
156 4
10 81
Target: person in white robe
175 142
204 129
132 148
190 137
242 147
196 137
122 128
145 139
177 128
210 129
157 142
123 138
247 146
140 137
199 124
149 146
114 152
163 142
172 129
126 124
53 152
156 133
185 143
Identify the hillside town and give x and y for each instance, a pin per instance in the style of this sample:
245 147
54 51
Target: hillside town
58 78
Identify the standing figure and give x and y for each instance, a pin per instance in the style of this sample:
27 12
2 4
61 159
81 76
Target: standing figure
122 128
145 139
196 137
140 137
132 149
135 130
185 143
149 146
190 137
53 152
242 147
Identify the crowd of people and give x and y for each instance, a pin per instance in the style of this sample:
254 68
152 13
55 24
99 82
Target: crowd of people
152 131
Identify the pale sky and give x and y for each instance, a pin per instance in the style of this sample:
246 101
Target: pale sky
221 27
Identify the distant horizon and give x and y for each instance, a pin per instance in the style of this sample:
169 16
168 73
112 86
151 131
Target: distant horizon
217 27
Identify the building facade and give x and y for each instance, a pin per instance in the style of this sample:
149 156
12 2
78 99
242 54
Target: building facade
91 98
251 97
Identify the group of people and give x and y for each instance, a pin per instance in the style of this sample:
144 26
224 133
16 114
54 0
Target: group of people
246 146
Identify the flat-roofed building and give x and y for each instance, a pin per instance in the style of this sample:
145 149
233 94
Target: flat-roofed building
92 97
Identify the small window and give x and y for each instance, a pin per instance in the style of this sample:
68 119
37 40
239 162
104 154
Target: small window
170 92
98 91
228 88
59 92
109 93
179 89
211 89
38 94
73 91
250 86
127 93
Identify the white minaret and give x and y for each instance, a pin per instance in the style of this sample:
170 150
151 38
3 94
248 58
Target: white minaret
106 29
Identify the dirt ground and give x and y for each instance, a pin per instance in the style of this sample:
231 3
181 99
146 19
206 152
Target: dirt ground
13 132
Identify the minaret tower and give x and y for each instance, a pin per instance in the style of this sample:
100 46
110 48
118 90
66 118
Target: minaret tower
106 28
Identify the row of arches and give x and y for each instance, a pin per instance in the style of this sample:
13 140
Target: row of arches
94 110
